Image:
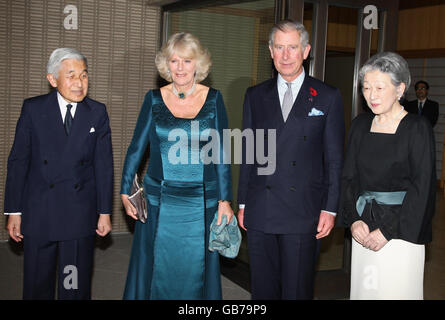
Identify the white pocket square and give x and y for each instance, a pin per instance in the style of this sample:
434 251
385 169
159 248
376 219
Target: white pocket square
92 130
315 112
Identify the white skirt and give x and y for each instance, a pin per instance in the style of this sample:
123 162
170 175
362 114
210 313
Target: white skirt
395 272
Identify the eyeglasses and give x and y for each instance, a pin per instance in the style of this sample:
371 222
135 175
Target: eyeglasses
421 88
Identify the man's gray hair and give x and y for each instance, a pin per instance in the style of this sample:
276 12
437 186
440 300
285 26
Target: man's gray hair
290 25
61 54
390 63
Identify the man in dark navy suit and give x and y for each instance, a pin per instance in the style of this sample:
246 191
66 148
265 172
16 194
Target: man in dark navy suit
287 212
422 105
60 182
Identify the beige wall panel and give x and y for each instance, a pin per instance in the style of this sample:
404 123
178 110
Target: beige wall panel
421 28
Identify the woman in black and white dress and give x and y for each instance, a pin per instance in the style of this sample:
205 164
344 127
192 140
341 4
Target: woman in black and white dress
388 187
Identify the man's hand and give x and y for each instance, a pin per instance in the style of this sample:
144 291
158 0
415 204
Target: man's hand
375 240
13 227
241 219
103 225
325 224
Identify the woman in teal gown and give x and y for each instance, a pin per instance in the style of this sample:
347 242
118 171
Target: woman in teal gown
170 258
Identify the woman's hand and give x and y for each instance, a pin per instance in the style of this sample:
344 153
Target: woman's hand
224 209
129 208
359 231
375 240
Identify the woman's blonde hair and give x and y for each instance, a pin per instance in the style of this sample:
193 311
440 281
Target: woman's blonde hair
186 46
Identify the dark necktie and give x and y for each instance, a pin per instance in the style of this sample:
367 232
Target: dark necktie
68 119
420 108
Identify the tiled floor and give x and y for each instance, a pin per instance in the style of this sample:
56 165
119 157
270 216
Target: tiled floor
112 255
110 269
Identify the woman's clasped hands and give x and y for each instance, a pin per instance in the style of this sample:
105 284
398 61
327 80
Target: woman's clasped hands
374 240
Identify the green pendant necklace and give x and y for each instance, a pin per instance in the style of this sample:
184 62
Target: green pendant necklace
183 95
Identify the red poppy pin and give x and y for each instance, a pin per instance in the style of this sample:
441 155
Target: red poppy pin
313 92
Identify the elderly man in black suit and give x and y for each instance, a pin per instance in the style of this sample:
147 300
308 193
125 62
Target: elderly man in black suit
59 185
422 105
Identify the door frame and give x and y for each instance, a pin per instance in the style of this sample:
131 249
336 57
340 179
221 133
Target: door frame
388 20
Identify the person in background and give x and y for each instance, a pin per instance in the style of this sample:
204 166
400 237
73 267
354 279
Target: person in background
422 105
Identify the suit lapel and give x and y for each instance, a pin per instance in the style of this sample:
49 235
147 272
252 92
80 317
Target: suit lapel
79 130
303 102
272 109
80 125
294 126
53 123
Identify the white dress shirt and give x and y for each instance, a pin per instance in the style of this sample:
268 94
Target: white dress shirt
63 108
63 104
296 85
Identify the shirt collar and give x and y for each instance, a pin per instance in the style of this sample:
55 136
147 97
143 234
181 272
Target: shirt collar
62 101
297 82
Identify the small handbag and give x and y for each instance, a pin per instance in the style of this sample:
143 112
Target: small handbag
225 238
138 200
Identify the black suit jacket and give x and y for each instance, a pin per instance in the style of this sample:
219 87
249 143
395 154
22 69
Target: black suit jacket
60 183
309 158
430 110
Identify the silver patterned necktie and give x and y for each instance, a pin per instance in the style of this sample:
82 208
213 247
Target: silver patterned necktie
288 101
420 107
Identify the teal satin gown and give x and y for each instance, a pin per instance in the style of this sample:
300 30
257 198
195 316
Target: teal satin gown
170 257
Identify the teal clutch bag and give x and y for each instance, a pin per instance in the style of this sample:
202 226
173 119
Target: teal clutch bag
225 238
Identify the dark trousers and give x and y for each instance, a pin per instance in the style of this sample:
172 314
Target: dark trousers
282 266
73 261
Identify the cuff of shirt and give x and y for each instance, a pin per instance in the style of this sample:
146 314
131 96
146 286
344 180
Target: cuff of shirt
12 213
243 206
333 213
